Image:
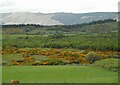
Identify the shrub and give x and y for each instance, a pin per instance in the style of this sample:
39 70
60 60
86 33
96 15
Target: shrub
92 56
36 63
51 62
20 60
64 62
4 63
57 36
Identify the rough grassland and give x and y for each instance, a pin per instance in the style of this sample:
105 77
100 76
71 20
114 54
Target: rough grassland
58 74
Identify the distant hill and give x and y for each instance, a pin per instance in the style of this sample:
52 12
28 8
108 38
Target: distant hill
105 26
55 18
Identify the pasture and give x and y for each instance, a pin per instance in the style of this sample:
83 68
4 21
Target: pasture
58 74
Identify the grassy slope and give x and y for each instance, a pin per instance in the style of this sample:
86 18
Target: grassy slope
61 74
109 64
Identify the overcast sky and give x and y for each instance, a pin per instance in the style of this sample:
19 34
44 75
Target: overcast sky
51 6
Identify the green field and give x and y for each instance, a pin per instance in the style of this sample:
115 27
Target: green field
58 74
0 74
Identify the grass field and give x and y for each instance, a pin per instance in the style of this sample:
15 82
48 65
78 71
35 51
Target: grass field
0 74
58 74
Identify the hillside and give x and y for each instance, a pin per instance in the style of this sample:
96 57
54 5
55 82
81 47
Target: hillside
55 18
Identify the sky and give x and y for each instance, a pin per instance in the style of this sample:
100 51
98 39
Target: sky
53 6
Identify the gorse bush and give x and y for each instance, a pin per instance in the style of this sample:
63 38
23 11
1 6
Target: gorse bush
92 56
47 56
52 62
